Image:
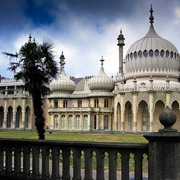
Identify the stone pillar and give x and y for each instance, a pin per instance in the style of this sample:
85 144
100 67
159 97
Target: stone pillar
122 112
102 121
115 114
81 121
5 113
97 121
89 121
59 121
14 113
74 122
66 121
164 148
110 123
52 121
134 109
168 99
23 112
151 110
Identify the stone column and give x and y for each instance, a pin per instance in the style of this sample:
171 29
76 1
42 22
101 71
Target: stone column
89 121
14 113
81 121
59 121
5 113
52 121
110 123
97 121
164 147
115 114
134 109
151 110
102 121
168 98
23 112
66 121
74 121
122 112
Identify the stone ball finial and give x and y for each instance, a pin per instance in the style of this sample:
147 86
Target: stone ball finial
167 118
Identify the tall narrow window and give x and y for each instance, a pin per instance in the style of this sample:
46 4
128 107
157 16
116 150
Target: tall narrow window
96 103
106 122
85 121
1 116
63 122
77 121
9 117
70 122
106 103
56 121
79 103
65 104
130 118
56 103
27 117
18 116
145 119
95 122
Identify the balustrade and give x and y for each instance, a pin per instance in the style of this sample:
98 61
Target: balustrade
55 160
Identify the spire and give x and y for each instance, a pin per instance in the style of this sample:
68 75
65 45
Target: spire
102 60
62 63
151 18
30 38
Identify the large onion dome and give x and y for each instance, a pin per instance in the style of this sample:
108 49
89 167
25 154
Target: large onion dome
62 84
152 55
101 82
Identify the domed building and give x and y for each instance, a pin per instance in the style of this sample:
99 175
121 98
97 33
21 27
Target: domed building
147 82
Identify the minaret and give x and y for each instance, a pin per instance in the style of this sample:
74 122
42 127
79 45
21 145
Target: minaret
62 62
121 44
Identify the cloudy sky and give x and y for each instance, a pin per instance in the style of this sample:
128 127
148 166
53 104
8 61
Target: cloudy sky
84 30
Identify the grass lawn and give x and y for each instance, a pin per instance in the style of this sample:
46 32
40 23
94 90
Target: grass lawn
75 136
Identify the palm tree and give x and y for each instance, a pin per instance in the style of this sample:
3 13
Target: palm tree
35 65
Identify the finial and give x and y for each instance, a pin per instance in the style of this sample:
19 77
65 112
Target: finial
101 60
30 38
120 31
34 40
151 18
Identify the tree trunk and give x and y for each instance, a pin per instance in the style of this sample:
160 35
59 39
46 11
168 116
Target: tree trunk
39 120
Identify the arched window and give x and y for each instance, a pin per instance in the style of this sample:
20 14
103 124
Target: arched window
151 53
162 53
27 117
145 53
56 103
56 121
140 54
85 121
1 116
145 118
95 122
156 52
131 55
96 103
77 121
106 103
106 122
65 104
167 54
130 118
79 103
18 116
63 124
70 122
135 54
171 54
9 117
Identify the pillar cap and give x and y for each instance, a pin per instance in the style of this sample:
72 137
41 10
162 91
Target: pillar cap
167 118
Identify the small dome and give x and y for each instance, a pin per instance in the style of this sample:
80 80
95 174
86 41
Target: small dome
101 82
62 84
